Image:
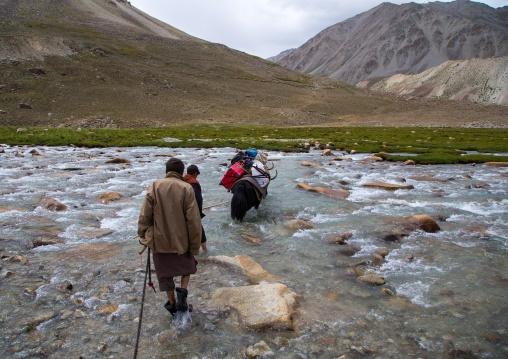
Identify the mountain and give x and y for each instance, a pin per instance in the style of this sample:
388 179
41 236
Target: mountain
481 80
409 38
104 63
280 56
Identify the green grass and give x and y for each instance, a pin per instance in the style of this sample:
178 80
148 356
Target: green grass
430 145
444 158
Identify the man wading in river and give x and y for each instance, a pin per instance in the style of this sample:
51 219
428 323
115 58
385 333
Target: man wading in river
192 178
170 225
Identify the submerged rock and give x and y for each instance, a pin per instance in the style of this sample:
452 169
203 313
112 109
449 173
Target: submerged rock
110 197
88 252
251 239
298 224
387 186
41 241
41 318
108 309
259 350
428 178
95 233
118 160
339 239
4 209
391 235
264 306
372 279
247 266
304 186
349 250
310 164
496 164
52 204
335 193
18 259
423 222
373 159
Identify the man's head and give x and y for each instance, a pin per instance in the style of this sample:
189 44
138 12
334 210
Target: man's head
176 165
193 170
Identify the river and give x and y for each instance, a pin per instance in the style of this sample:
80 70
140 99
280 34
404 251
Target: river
445 293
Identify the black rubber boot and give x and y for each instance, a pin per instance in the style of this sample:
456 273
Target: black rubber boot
170 307
181 302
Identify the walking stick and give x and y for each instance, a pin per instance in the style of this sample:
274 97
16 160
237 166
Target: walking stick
147 274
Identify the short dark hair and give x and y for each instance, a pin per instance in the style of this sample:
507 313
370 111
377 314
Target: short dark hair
193 169
176 165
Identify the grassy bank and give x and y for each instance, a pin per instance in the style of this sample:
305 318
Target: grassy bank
422 145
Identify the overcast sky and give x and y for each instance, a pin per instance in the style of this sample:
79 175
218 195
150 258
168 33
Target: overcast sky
260 27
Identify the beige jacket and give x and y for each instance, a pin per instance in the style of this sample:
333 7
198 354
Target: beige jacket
169 221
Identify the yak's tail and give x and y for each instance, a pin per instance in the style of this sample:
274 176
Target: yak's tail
239 203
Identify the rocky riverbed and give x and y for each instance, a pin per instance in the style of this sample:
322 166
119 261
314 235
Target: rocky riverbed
347 257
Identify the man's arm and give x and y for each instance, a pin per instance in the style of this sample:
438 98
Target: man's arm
199 197
193 219
146 214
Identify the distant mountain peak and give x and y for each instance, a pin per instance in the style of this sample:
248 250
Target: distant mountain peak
407 38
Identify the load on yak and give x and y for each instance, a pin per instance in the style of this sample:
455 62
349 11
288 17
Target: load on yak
248 177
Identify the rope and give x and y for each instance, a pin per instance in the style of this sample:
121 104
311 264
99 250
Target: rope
147 273
215 205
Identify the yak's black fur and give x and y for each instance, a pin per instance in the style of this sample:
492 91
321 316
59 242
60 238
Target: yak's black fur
244 198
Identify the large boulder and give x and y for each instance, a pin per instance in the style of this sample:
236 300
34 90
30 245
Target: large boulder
264 306
247 266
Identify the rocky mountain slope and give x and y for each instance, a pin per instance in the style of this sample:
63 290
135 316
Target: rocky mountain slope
479 80
409 38
103 63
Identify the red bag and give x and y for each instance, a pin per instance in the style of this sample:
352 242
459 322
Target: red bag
232 175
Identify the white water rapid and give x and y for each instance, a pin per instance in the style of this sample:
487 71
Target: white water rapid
445 293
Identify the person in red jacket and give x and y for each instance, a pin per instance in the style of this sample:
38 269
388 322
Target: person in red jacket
192 178
170 225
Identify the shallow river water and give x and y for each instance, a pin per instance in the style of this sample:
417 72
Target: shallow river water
445 293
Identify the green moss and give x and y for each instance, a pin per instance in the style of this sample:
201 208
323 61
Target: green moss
387 142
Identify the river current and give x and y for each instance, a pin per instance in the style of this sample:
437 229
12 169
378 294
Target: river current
445 293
